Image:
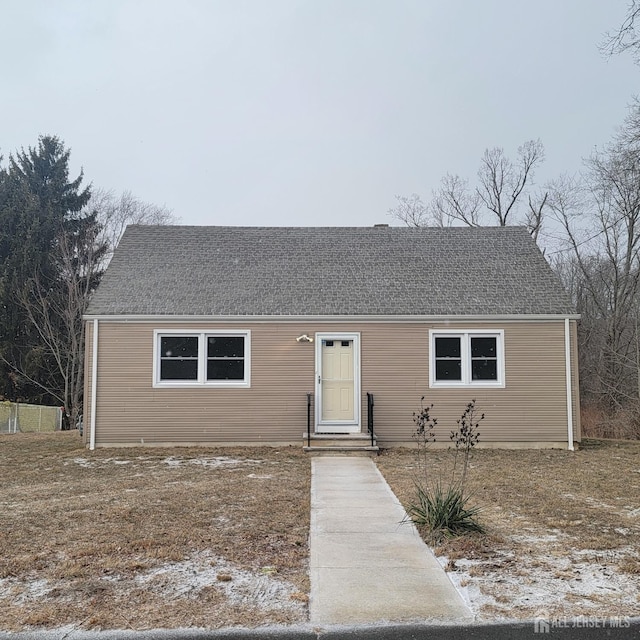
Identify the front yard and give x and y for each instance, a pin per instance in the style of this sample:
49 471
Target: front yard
165 538
150 538
563 529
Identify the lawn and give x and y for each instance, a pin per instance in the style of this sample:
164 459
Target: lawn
164 538
151 538
563 529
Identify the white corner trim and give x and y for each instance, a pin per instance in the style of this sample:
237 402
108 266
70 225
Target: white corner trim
567 359
94 386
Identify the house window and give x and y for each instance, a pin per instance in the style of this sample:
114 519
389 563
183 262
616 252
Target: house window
197 358
466 358
448 358
178 357
225 357
484 358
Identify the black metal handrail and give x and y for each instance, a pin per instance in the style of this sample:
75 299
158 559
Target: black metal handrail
309 402
370 405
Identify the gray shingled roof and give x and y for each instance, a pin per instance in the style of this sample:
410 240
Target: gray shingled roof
281 271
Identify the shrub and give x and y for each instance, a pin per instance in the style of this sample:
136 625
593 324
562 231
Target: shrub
443 510
441 506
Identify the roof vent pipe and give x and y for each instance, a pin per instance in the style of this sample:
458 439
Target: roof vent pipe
380 226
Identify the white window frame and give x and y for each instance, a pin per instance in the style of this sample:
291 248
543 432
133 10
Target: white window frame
202 381
465 336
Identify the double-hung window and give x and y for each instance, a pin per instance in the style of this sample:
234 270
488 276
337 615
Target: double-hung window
201 358
473 358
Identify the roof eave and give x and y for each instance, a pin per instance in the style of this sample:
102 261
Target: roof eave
331 318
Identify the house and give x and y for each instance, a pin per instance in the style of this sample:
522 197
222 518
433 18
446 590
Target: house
251 335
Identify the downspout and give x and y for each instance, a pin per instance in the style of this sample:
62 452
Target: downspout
567 358
94 385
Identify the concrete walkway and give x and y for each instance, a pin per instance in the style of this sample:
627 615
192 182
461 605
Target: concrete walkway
366 567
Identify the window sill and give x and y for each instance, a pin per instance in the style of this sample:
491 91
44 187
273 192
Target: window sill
202 385
467 385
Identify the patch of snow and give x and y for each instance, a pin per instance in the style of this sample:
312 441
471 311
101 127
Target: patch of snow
565 581
87 464
599 504
26 591
257 477
214 463
171 461
203 569
468 592
111 578
82 462
604 555
545 539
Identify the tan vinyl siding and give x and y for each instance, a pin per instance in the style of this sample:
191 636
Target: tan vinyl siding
394 367
531 406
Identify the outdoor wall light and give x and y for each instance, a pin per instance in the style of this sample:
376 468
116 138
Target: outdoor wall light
304 338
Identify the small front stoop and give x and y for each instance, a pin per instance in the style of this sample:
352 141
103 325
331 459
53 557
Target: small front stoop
336 444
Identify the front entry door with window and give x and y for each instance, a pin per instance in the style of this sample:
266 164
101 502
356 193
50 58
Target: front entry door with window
337 385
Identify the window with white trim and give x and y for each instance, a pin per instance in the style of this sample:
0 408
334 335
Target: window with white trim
466 358
201 358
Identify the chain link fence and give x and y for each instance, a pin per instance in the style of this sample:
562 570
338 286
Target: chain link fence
29 418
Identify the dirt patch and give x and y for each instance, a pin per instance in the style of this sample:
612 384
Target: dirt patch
151 538
564 529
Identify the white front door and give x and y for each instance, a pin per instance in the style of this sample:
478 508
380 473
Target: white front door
338 383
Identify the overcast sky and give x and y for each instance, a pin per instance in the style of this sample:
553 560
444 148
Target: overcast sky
306 112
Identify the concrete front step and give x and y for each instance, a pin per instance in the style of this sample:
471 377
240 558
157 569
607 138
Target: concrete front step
342 451
336 444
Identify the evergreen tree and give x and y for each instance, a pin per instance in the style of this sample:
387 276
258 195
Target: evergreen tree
39 204
55 240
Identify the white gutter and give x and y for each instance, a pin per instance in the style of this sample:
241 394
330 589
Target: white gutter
567 358
94 386
329 318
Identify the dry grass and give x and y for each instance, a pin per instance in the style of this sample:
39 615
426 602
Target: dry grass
623 424
564 528
151 538
165 538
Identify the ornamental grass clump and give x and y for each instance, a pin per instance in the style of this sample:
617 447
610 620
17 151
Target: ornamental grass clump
442 504
443 511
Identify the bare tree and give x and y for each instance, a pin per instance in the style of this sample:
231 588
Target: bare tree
56 300
115 212
454 201
411 211
625 37
502 181
600 218
55 304
534 216
497 199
